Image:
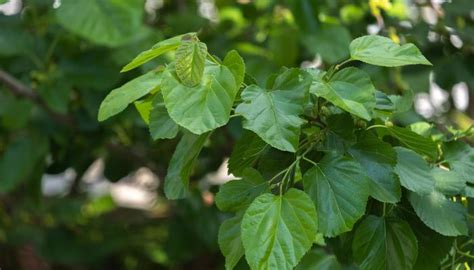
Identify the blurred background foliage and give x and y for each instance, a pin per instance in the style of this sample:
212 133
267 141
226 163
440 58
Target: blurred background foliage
76 194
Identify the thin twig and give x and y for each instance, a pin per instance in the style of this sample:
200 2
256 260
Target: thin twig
19 89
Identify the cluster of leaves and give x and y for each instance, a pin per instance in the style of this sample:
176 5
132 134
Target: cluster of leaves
68 54
320 157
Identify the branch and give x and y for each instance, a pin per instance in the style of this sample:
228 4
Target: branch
19 89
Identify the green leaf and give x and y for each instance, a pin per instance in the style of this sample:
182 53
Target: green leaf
238 194
161 125
190 60
204 107
413 171
350 89
158 49
278 230
236 65
384 243
340 190
318 259
181 165
448 182
273 114
15 41
402 103
383 102
440 214
341 125
378 160
144 108
469 191
382 51
230 241
432 246
18 162
409 139
330 41
246 152
109 23
118 99
461 159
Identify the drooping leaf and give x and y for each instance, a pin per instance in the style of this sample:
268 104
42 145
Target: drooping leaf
318 259
118 99
378 160
161 124
230 241
238 194
273 114
158 49
415 142
382 51
110 23
384 243
246 152
440 214
461 159
448 182
278 230
190 60
340 190
204 107
236 65
413 171
181 165
350 89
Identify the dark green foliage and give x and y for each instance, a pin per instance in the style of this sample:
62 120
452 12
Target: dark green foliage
333 167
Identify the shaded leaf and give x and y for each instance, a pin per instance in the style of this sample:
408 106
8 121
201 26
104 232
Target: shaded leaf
350 89
378 159
339 188
181 165
230 241
110 23
461 159
413 171
384 243
448 182
246 152
161 124
18 162
318 259
415 142
440 214
238 194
